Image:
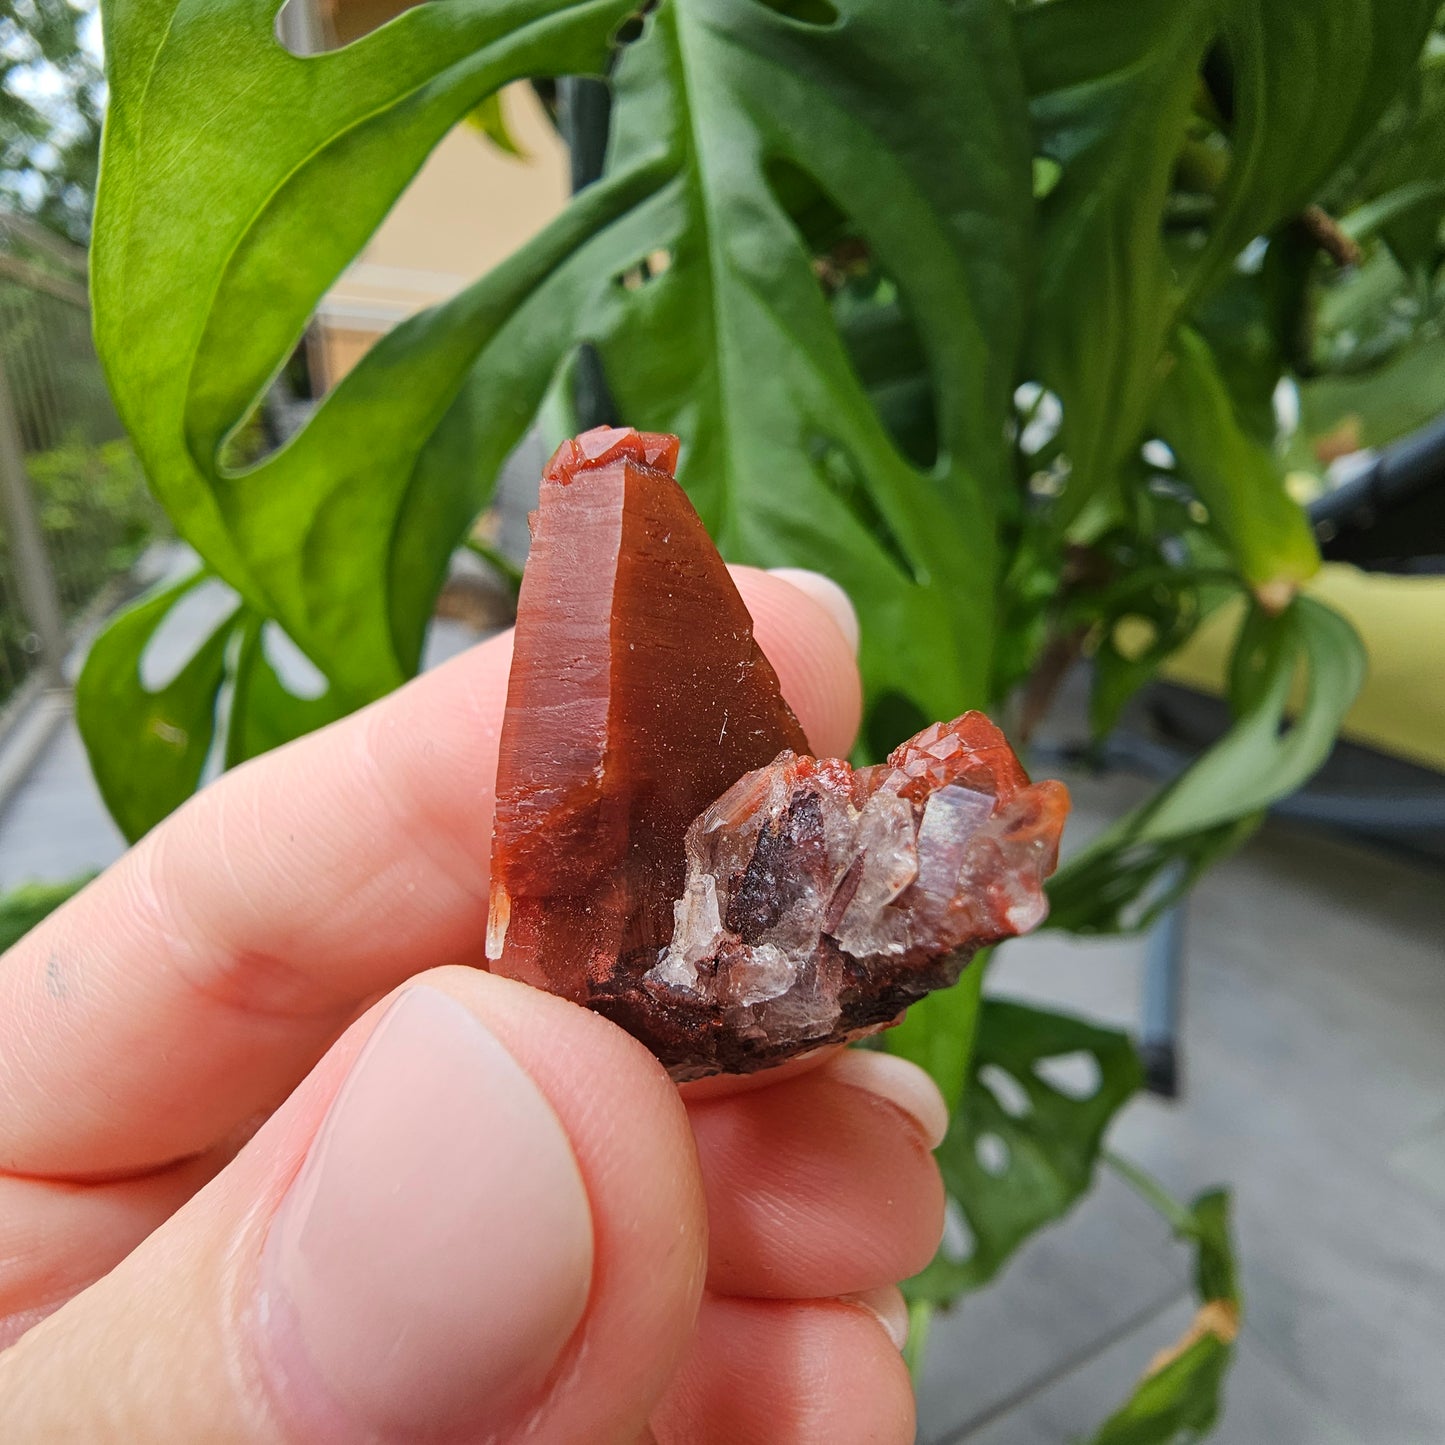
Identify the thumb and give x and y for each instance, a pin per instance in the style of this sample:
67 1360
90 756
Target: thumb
478 1218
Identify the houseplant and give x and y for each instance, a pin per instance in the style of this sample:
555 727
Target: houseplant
977 307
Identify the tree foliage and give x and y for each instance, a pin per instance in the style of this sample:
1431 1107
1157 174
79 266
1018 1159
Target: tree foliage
52 94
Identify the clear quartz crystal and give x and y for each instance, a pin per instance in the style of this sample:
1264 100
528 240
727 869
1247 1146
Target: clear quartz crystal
808 882
885 848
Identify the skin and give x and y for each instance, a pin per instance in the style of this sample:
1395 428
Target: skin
171 1041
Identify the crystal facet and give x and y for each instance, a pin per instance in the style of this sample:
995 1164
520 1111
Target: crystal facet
665 851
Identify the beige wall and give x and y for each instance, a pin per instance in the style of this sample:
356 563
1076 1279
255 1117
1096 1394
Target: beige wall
470 206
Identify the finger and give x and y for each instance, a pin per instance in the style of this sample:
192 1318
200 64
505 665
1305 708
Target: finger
451 1231
198 979
57 1238
810 635
761 1372
826 1184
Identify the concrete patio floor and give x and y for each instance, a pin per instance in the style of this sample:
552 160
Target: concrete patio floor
1314 1084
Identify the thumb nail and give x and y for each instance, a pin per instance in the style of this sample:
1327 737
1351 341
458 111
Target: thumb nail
433 1256
829 595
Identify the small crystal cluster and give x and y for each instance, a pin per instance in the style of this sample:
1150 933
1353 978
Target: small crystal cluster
664 851
820 901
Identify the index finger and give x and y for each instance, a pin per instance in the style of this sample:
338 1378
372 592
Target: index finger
194 983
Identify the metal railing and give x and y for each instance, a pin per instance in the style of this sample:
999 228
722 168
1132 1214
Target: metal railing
74 510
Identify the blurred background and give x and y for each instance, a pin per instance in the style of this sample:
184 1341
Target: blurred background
1290 1013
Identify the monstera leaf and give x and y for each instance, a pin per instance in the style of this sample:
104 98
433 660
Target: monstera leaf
1023 1143
1402 192
1218 801
1239 479
151 741
1305 83
1181 1394
1111 85
784 138
1115 87
241 179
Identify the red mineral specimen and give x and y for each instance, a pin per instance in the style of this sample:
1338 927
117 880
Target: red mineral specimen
637 696
666 853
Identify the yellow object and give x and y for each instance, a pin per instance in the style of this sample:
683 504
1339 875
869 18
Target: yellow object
1401 709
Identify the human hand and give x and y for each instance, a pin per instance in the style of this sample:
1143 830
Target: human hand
275 1166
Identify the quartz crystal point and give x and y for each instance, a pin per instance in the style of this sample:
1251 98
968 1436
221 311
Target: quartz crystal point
637 696
665 850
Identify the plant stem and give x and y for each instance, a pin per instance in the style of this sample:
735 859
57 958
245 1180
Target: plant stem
920 1324
498 561
1181 1220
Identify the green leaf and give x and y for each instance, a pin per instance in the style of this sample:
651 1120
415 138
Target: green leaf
1021 1150
489 117
938 1032
343 535
1215 804
148 747
1114 87
1169 578
1112 83
1259 324
915 1348
1181 1395
1402 194
1385 402
783 137
1178 1403
1308 82
23 907
264 713
1238 479
1409 214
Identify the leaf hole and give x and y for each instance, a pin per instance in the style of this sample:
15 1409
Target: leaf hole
635 277
192 621
805 12
879 338
992 1153
312 27
1076 1074
283 407
1010 1095
959 1240
1040 415
630 29
294 670
405 268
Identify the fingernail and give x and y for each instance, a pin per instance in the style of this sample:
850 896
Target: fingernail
902 1083
433 1256
828 594
890 1308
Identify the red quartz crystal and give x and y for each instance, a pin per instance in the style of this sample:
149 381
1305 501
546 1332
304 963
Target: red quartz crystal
637 696
666 852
